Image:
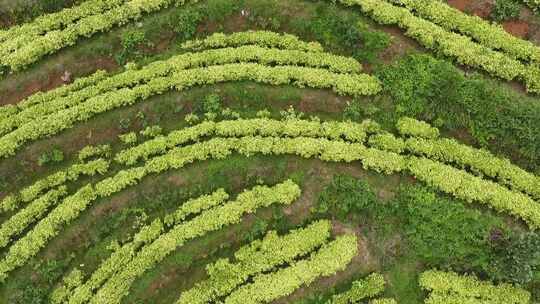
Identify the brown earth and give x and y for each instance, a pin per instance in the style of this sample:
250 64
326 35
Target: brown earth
461 5
53 79
517 28
481 8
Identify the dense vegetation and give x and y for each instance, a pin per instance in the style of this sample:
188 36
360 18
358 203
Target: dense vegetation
258 151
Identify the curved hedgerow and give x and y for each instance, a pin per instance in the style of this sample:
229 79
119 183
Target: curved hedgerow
130 77
34 109
261 38
350 131
422 142
445 150
72 173
451 44
449 287
327 261
343 84
211 220
255 258
368 287
23 45
44 97
471 188
91 18
488 34
33 212
16 38
82 292
443 177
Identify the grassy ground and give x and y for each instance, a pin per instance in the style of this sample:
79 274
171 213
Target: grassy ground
384 246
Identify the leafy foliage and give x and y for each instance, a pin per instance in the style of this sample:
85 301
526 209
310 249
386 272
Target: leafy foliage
516 258
432 89
453 45
361 289
505 10
412 127
328 260
52 156
334 29
211 104
253 259
184 22
94 151
449 287
446 234
345 195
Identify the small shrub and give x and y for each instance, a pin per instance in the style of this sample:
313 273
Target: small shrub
152 131
257 230
184 22
263 114
124 123
53 156
332 27
210 104
345 195
505 10
265 14
227 113
128 138
130 41
192 118
291 114
218 10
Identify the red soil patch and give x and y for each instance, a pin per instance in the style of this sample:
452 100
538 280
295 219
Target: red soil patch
460 4
400 45
481 8
54 80
517 28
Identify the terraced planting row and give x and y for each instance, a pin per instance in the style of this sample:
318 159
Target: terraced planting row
271 241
